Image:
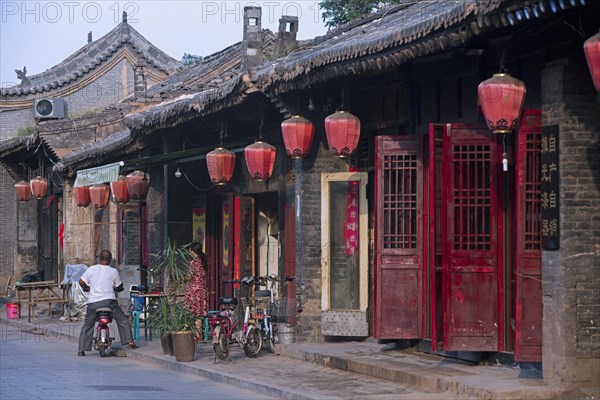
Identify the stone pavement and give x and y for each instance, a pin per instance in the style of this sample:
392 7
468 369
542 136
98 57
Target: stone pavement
348 370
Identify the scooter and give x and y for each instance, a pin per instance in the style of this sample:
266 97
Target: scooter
226 329
102 339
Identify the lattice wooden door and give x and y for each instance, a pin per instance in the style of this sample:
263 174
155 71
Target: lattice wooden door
398 238
471 256
528 240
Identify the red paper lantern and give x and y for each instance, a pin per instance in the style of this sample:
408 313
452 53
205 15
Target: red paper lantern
119 190
138 183
39 187
592 54
82 196
343 132
260 158
23 190
99 194
220 163
501 98
298 133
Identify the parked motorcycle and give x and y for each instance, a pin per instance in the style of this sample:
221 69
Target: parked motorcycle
102 339
226 329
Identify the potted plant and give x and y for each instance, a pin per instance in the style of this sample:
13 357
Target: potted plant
172 265
182 322
160 321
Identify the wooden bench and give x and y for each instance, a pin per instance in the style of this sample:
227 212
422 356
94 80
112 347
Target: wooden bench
42 292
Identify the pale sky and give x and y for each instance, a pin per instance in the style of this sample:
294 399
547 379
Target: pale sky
40 34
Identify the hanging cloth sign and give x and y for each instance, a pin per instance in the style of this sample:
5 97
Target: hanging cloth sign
104 173
351 221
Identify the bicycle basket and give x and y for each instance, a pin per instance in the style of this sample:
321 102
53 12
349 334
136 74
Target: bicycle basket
286 307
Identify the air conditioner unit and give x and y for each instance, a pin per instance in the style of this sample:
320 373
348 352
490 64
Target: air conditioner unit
49 108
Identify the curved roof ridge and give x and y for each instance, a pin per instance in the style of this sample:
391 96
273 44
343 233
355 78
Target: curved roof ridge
91 55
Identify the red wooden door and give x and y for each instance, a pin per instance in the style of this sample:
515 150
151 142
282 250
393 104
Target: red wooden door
528 240
398 238
433 231
471 256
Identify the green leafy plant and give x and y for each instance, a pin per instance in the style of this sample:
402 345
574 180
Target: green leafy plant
172 265
182 318
160 317
27 131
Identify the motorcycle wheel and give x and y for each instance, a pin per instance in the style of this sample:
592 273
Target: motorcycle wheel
102 351
221 348
254 342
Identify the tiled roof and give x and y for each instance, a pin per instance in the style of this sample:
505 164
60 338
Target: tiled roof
90 56
27 150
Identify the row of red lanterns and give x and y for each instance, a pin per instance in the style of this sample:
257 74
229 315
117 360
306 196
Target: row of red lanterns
37 187
501 98
132 187
342 130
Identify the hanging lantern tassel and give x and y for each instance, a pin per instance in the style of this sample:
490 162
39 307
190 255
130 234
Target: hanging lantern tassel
591 48
39 187
82 196
501 98
260 158
220 163
99 194
343 131
298 133
23 190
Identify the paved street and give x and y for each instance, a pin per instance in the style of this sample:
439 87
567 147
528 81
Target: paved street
36 366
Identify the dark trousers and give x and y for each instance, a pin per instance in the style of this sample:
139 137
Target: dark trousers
87 330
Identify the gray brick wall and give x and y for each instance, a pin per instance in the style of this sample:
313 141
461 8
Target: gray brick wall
12 121
111 87
571 275
8 220
308 274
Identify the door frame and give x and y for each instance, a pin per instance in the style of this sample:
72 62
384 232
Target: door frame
354 319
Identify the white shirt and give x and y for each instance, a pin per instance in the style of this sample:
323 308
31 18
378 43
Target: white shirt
102 280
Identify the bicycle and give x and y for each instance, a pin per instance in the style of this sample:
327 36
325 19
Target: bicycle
225 326
266 314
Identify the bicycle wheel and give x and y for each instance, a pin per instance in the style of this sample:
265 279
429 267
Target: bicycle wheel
221 348
254 342
272 340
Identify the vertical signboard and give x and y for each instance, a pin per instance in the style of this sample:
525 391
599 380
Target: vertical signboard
549 188
199 225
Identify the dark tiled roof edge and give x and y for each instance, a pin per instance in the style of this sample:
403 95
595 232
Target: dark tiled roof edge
90 56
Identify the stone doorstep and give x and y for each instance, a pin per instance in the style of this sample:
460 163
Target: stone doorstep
492 384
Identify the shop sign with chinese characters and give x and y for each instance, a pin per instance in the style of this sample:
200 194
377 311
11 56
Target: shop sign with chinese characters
550 188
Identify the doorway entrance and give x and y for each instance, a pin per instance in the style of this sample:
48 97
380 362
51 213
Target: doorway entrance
437 250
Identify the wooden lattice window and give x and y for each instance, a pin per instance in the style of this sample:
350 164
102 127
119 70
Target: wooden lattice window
533 205
400 201
472 197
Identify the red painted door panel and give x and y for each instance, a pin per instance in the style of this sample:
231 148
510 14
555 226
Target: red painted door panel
398 238
432 186
528 240
471 256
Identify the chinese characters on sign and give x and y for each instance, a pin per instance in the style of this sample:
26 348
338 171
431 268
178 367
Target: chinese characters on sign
550 188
